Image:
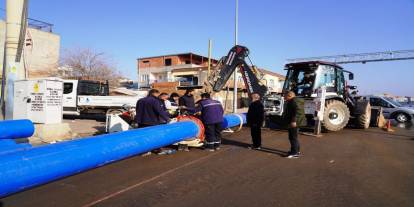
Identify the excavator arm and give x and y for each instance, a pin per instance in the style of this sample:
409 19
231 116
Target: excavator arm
236 58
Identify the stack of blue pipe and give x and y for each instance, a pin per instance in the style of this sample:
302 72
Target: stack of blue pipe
43 164
14 129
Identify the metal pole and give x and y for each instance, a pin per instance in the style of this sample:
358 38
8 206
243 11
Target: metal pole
209 58
236 21
3 86
15 20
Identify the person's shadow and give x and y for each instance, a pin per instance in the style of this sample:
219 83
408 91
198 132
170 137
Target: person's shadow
246 146
274 151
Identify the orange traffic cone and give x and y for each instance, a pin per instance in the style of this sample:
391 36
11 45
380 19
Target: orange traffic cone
388 126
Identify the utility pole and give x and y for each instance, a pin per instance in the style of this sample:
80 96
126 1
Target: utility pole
209 58
236 28
16 15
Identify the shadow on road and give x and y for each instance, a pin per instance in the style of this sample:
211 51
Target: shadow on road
391 134
274 151
246 145
234 143
101 130
97 117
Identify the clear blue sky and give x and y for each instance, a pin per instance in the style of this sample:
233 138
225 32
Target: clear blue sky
273 30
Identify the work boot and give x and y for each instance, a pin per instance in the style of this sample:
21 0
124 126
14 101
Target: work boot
290 152
292 156
254 147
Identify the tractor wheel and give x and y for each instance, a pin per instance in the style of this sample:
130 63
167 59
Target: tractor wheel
364 119
336 115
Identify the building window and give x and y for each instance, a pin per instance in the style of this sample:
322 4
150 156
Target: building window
144 78
146 61
187 80
272 83
67 88
168 62
187 62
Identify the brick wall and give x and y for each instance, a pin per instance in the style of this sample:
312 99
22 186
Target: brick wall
158 61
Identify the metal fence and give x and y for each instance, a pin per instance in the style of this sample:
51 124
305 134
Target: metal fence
33 23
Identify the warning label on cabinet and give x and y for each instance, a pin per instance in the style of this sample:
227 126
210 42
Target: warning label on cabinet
38 103
46 100
53 97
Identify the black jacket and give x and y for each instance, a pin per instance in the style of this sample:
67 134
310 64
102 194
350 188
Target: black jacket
151 111
295 112
187 101
255 114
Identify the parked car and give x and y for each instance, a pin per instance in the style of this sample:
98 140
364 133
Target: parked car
392 109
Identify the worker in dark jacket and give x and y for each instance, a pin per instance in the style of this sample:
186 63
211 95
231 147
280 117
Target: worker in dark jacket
212 118
294 118
255 118
150 111
187 103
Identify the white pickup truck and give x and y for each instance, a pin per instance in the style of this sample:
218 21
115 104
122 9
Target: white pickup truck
82 97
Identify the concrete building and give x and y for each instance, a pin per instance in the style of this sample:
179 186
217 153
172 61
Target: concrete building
274 81
41 51
189 69
184 67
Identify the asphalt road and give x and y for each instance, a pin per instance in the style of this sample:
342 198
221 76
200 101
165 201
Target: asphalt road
347 168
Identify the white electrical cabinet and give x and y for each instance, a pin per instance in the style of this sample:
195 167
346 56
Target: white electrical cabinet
39 100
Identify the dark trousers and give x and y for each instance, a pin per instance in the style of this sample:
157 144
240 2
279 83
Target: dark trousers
293 139
144 125
212 135
149 125
256 132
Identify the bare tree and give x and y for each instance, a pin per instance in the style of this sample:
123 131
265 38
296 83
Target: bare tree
87 64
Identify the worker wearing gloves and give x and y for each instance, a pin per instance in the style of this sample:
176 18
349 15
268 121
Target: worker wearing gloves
255 118
187 103
294 117
212 117
150 110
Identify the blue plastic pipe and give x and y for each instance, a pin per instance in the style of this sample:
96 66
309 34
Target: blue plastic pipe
9 146
39 165
232 120
13 129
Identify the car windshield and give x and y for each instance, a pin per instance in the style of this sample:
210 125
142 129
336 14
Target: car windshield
393 102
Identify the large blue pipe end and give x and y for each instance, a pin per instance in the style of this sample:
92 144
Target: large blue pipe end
232 120
13 129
